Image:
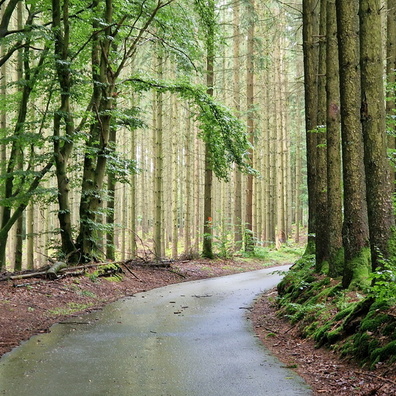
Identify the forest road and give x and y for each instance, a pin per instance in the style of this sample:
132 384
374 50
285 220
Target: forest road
187 339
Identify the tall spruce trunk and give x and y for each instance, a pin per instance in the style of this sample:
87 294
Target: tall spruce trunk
207 248
159 238
321 205
249 241
378 187
355 227
334 176
311 61
238 231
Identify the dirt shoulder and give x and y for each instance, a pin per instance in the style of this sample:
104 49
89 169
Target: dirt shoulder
32 306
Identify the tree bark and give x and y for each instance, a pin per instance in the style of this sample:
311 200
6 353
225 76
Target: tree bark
311 61
355 228
391 83
207 248
249 236
378 187
63 147
334 176
321 205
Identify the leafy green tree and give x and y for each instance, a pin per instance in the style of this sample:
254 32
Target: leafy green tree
21 178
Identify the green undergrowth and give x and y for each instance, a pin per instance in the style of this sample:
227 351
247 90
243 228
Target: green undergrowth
70 308
357 325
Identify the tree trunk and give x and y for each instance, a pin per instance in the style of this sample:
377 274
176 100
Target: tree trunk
321 228
238 231
249 241
334 189
63 147
311 61
355 228
95 165
391 83
379 203
110 204
158 168
207 249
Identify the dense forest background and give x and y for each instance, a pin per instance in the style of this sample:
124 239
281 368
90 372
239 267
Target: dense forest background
149 128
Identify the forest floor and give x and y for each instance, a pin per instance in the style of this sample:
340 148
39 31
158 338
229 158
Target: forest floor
31 306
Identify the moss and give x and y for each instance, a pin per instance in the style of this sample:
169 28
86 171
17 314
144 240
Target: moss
345 312
361 343
384 353
325 267
308 330
373 322
321 292
361 269
320 334
334 335
336 265
380 305
390 330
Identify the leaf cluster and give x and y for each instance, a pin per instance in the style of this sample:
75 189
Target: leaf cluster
224 134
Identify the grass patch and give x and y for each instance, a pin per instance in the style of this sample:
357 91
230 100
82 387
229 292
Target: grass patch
70 309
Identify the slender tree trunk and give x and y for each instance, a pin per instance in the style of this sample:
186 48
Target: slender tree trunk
310 49
238 232
110 204
207 250
63 147
133 200
189 207
19 224
30 236
175 179
158 169
334 176
321 228
249 241
380 211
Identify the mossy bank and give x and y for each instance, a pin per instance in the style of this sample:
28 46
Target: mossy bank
357 324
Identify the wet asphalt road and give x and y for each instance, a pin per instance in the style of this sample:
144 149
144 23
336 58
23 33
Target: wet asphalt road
188 339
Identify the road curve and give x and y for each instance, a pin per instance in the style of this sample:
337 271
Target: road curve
188 339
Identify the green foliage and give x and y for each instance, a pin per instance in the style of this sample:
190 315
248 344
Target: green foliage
108 270
258 252
223 240
70 308
119 167
297 312
360 268
224 133
384 283
356 325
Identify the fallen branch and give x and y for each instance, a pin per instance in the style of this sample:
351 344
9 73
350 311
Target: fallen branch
177 273
124 265
52 273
